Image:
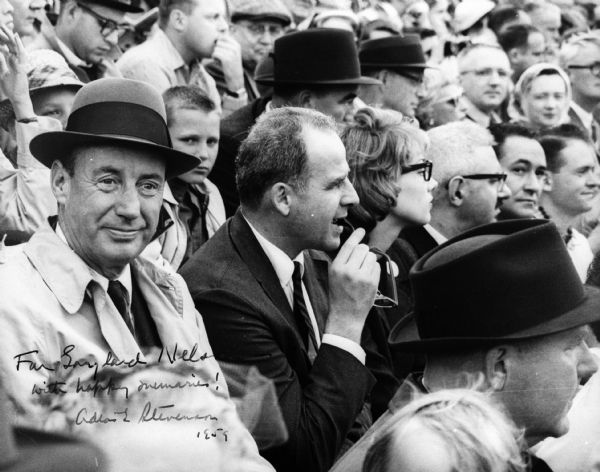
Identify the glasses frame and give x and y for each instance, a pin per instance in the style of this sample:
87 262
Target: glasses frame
426 165
107 26
594 68
501 177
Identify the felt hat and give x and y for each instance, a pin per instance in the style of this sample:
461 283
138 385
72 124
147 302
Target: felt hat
120 112
256 10
402 54
500 282
469 12
29 450
128 6
45 69
319 56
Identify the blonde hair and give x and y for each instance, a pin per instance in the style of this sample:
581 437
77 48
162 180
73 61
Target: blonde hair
477 434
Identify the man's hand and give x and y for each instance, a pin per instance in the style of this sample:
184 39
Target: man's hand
13 73
229 53
353 280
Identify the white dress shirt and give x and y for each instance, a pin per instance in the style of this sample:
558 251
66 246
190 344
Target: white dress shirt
284 268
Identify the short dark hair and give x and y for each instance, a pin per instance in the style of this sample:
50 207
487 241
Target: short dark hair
188 97
501 15
516 36
275 151
554 140
165 7
502 131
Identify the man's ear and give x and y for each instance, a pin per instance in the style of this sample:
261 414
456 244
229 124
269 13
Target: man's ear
70 10
60 182
280 195
305 99
456 190
496 367
513 55
178 20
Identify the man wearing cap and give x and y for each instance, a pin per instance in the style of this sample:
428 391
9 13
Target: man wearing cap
188 32
529 350
78 281
255 25
399 63
318 69
87 33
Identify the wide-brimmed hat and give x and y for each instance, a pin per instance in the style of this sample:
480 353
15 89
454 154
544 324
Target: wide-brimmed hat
114 111
469 12
500 282
127 6
45 69
319 56
256 10
397 53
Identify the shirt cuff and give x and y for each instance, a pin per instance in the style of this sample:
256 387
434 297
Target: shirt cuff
346 345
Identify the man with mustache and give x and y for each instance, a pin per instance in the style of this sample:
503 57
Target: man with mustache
485 77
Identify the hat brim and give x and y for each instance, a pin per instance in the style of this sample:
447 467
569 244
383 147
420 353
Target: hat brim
55 145
44 452
404 336
117 6
276 17
270 80
395 65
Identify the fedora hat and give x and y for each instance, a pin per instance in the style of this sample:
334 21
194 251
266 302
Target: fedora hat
499 282
397 53
317 56
119 112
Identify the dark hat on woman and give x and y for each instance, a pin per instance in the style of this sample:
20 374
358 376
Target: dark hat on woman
119 112
319 56
505 281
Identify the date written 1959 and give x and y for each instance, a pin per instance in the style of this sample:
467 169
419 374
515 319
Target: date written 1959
213 433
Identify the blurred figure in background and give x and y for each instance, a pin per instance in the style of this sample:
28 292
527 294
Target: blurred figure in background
524 45
443 102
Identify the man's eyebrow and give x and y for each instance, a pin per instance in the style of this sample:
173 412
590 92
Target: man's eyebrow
106 170
350 96
153 175
335 182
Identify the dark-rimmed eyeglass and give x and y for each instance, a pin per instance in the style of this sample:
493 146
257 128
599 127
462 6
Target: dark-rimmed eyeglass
107 26
425 166
594 68
498 179
259 29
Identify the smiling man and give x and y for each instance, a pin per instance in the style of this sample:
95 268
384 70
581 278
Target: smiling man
524 161
573 170
485 77
269 302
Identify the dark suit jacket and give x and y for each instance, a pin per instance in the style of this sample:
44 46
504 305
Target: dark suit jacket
249 321
234 129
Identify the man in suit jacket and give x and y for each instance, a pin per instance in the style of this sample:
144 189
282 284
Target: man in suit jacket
268 302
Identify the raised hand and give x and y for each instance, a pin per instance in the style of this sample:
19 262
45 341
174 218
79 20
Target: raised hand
229 53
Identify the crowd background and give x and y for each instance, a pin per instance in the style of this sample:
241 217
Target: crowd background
425 124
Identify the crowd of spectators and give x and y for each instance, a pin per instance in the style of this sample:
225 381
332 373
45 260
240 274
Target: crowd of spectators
300 235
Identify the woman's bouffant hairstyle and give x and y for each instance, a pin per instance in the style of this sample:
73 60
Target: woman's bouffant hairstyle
476 434
378 143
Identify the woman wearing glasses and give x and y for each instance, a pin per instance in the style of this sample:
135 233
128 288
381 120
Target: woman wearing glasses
392 178
542 97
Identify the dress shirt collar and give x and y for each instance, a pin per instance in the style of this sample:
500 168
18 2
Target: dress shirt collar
585 117
124 278
69 55
283 265
435 234
478 116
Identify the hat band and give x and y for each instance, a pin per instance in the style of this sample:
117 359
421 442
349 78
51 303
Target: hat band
122 119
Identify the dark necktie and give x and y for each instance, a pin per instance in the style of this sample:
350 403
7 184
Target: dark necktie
118 295
300 310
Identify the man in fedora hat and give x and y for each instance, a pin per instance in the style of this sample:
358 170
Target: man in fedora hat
273 300
87 34
513 321
399 63
317 69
